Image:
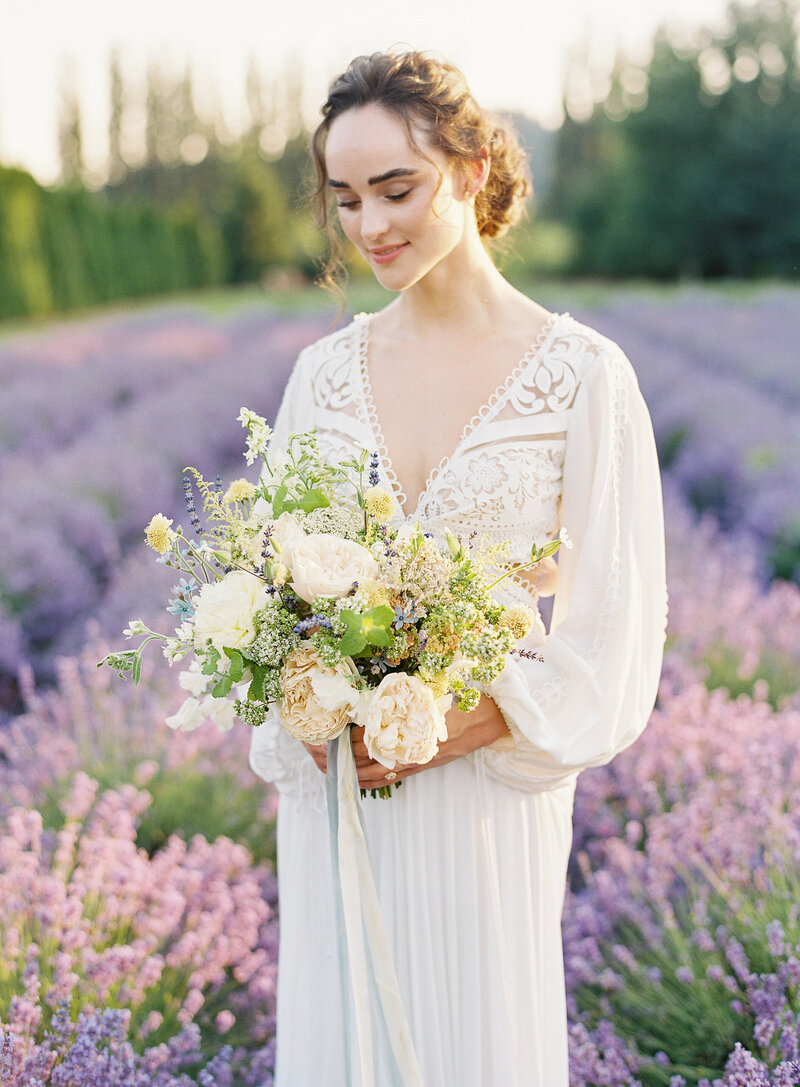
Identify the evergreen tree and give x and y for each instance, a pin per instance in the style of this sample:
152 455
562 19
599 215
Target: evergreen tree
116 163
70 136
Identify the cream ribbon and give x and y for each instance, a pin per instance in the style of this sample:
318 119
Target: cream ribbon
365 957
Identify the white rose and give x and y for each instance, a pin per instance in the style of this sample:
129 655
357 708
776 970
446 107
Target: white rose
224 610
302 714
325 565
189 717
403 722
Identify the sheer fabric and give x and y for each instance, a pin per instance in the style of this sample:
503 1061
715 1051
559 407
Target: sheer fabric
470 858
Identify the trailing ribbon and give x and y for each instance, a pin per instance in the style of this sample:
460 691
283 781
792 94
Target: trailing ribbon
368 976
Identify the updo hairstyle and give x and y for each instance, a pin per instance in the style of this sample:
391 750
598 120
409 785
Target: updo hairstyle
432 93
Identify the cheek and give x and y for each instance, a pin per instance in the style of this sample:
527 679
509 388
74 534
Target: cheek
347 222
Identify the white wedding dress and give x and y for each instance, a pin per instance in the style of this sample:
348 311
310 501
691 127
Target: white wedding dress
470 858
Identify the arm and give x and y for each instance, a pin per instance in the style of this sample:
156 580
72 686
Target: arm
592 695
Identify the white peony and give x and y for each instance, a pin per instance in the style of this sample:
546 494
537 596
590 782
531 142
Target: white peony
402 722
224 610
324 565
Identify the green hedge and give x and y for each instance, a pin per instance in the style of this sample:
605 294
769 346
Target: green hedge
62 249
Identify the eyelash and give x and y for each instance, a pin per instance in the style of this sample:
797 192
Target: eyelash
398 196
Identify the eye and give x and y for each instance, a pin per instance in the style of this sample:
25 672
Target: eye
346 204
398 196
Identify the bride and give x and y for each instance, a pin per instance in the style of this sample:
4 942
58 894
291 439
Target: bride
489 414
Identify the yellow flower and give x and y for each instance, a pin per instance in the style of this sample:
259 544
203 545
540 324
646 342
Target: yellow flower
518 619
241 490
439 682
159 535
378 503
375 593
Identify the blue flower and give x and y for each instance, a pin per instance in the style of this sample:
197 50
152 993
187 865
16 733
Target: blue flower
181 604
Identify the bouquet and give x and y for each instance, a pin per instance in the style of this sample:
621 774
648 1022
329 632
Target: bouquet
298 593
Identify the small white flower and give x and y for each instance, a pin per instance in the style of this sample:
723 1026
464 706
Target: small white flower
193 680
563 535
134 628
220 711
333 692
189 717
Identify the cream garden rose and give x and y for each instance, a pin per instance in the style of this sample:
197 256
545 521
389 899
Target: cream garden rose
402 722
325 565
224 610
302 713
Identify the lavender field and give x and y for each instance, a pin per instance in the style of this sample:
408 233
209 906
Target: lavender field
137 895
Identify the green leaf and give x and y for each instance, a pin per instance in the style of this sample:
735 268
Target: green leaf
255 692
222 688
279 502
352 644
237 664
136 669
312 500
212 660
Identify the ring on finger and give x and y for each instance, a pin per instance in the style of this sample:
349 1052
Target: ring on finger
390 776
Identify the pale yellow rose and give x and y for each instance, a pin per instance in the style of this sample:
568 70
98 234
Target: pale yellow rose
224 610
302 714
403 722
325 565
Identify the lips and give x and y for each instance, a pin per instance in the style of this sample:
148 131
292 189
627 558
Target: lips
387 253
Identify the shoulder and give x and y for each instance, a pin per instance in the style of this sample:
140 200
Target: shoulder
594 356
341 342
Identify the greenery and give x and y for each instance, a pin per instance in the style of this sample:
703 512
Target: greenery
688 167
65 249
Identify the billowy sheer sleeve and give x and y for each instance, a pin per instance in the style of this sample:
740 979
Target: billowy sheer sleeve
593 693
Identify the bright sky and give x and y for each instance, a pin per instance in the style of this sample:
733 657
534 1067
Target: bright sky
511 52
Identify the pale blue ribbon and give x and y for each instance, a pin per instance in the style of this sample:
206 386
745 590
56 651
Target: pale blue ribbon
368 976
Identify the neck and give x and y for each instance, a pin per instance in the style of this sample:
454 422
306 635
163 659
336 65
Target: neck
463 293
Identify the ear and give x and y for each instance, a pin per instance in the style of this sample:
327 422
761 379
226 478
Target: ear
475 173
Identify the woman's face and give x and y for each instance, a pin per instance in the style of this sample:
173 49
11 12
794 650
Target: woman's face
387 195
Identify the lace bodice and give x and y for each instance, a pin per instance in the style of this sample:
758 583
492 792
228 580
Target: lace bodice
565 440
509 460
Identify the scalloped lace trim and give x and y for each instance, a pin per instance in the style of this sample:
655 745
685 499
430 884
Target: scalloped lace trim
363 323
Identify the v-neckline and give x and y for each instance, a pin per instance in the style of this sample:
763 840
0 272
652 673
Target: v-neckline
532 355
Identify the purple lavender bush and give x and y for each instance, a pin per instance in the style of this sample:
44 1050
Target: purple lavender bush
91 922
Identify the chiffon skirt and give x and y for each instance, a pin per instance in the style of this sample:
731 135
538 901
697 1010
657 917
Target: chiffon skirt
470 875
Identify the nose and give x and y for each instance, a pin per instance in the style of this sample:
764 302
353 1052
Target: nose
374 221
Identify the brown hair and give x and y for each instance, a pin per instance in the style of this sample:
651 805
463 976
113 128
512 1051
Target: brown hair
417 87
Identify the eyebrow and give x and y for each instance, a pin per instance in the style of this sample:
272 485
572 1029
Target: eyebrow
400 171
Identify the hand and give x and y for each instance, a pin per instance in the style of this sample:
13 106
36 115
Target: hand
466 732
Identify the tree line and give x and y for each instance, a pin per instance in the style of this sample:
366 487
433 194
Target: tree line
685 166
